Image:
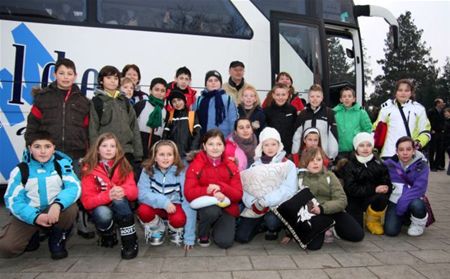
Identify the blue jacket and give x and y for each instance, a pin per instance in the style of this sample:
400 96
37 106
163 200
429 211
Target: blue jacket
43 188
160 189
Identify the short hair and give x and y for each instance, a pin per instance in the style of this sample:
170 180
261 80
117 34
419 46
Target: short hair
157 80
183 70
40 135
347 88
131 66
65 62
404 139
212 133
107 71
316 87
248 87
242 118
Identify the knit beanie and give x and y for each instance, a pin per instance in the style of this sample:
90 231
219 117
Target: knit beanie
362 137
175 93
215 74
268 133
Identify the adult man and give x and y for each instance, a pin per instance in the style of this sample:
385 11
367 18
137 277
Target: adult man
236 82
436 147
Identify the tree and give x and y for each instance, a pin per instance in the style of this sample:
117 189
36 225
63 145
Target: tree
341 70
412 60
443 82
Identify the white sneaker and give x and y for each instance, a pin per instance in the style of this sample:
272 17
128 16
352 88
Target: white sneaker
154 231
176 235
417 226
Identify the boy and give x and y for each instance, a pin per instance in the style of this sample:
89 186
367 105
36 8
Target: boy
63 111
319 116
182 81
43 170
182 126
236 82
281 115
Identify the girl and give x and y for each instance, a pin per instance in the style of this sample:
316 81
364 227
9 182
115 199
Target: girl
241 143
127 88
108 187
150 115
409 172
214 107
366 183
270 161
161 197
401 117
311 138
351 119
132 71
249 106
112 112
294 98
328 191
212 174
281 115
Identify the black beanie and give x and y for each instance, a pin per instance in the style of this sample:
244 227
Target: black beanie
156 81
215 74
175 93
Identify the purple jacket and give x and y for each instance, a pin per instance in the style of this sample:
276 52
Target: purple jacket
408 184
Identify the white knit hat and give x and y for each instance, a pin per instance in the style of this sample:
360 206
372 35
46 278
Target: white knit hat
268 133
362 137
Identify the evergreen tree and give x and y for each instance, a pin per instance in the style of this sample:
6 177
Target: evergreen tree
412 60
341 68
444 82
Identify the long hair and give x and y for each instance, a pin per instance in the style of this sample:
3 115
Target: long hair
92 158
151 161
305 133
408 82
309 154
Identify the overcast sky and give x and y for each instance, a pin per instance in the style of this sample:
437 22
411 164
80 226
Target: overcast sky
431 16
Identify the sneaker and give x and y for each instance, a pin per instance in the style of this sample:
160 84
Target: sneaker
329 237
204 241
176 235
271 235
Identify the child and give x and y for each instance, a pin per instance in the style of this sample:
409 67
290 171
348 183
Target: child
214 107
42 193
249 106
409 172
150 115
281 115
112 112
351 119
212 174
310 138
127 88
294 98
366 183
132 71
269 153
241 144
182 83
182 125
328 191
321 117
108 188
161 197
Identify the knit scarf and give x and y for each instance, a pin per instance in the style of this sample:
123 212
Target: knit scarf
266 159
203 109
363 160
247 145
155 118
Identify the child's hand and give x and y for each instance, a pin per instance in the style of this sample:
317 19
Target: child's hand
219 196
212 188
315 210
116 193
53 214
171 208
42 220
382 189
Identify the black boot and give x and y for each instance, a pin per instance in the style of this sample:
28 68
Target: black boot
107 238
57 242
128 236
34 243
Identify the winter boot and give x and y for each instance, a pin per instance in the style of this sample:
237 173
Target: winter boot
107 238
57 242
128 236
155 231
34 242
83 228
373 221
176 235
417 226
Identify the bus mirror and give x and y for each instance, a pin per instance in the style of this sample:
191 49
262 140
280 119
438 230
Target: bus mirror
350 53
393 37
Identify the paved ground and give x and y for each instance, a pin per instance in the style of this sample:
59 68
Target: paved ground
427 256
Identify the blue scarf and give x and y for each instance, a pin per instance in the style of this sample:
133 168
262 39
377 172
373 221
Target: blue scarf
203 109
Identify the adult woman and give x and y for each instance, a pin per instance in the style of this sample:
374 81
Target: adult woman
241 143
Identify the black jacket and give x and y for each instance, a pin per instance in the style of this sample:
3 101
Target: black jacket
257 117
283 120
437 120
360 180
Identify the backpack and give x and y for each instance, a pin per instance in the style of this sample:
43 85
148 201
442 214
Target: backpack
191 118
98 105
25 172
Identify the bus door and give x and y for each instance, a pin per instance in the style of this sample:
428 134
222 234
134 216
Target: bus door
297 47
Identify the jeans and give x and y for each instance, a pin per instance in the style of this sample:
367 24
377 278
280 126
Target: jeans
248 228
103 216
393 223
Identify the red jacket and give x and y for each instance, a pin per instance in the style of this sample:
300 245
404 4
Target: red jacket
189 93
94 194
201 173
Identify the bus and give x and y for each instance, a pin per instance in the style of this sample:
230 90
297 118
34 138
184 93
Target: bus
162 35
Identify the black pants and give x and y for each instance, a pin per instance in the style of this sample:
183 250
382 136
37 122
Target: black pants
436 150
223 225
248 228
357 206
346 228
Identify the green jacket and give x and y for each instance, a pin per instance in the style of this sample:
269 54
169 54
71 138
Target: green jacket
349 123
330 195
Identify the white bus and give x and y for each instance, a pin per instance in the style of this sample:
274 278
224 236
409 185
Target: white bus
160 36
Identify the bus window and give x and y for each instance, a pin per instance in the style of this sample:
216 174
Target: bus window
203 17
337 10
287 6
61 10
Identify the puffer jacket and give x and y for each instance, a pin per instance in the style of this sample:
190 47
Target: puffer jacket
283 120
65 119
202 172
257 118
360 180
118 117
189 93
43 188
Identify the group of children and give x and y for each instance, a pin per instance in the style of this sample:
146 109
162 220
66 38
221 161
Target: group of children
187 155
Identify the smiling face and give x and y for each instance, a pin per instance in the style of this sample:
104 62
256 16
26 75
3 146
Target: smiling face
284 79
405 152
280 96
244 129
347 98
128 89
214 147
158 91
164 157
316 164
133 75
270 147
107 149
403 93
364 149
65 77
315 98
42 150
249 98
